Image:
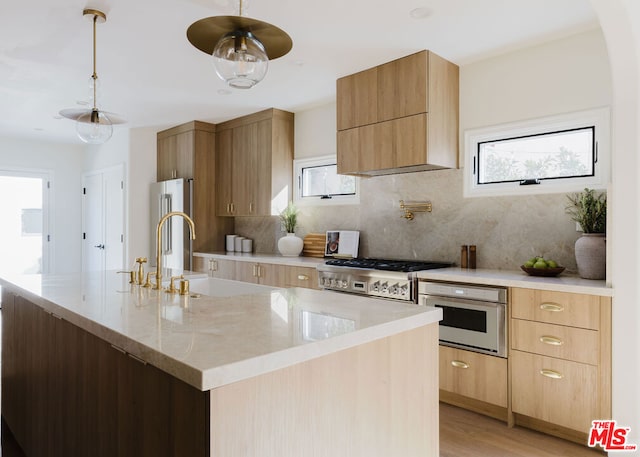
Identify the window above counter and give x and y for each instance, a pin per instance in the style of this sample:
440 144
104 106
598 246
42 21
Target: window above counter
318 183
563 153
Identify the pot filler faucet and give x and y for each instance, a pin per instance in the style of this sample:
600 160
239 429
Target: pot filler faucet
192 230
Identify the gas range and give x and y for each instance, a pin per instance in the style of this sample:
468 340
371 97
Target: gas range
391 279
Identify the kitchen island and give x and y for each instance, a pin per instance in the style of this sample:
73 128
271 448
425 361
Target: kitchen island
92 365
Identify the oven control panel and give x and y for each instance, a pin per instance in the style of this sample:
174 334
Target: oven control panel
398 289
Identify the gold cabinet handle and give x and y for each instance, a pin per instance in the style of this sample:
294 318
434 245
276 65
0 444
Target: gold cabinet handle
232 208
551 340
459 364
250 207
551 374
553 307
259 271
303 277
255 270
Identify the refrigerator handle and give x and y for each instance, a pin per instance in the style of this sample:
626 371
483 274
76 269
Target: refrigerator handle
169 225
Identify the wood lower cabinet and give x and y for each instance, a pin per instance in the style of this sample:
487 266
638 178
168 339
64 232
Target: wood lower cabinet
67 392
474 381
215 267
560 361
268 274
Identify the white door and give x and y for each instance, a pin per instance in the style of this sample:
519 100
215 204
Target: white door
24 226
103 220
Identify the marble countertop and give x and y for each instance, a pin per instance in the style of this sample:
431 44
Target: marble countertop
506 278
299 261
224 331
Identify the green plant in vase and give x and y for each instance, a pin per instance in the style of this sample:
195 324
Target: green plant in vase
589 209
290 244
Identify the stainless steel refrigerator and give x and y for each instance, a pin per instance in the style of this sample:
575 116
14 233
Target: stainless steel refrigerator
177 246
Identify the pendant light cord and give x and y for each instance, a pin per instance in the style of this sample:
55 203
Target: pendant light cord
94 76
240 12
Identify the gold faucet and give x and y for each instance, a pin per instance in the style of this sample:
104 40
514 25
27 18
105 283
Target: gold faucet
192 230
140 276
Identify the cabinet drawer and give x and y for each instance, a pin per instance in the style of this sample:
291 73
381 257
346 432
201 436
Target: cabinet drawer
479 376
553 390
575 310
302 277
569 343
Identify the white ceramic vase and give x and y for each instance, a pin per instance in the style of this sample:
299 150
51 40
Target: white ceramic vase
290 245
591 256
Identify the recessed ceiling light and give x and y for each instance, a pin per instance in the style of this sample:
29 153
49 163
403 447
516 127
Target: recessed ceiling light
224 91
420 13
298 63
38 129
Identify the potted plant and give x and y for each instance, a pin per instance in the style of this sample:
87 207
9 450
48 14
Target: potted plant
290 244
589 209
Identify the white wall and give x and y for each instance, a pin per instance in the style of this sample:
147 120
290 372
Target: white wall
620 22
136 150
64 161
315 132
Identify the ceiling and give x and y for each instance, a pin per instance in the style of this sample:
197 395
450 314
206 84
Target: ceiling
152 76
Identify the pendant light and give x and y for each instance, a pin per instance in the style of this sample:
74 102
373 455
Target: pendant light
93 125
241 47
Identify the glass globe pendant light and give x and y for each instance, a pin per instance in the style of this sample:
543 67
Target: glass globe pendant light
241 47
240 59
93 126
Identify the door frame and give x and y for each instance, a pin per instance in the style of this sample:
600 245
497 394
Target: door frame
48 237
120 169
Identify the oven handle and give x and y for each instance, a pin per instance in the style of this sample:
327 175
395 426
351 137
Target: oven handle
432 300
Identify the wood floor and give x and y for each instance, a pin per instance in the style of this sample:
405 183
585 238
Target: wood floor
467 434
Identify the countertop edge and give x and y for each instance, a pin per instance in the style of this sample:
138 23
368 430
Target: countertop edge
298 261
504 278
238 371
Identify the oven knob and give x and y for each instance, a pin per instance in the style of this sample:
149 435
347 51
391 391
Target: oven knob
326 281
345 283
393 290
404 290
376 286
385 287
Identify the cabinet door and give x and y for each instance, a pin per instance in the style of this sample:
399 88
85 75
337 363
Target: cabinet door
357 99
356 149
245 161
185 155
224 172
478 376
409 141
553 390
261 164
402 87
167 158
223 268
247 272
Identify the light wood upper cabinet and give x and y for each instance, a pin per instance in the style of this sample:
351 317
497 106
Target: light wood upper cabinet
357 99
399 117
254 164
188 151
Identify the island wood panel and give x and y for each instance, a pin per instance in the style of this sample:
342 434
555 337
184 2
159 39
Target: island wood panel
379 399
67 392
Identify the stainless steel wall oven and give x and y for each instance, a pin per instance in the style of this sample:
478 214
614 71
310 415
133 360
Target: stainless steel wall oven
474 317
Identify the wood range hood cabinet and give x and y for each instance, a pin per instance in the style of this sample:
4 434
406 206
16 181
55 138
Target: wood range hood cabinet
399 117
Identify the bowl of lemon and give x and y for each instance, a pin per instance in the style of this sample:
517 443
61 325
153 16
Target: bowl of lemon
538 266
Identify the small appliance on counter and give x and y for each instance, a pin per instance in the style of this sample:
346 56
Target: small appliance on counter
390 279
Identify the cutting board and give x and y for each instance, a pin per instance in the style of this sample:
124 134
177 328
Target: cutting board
314 244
